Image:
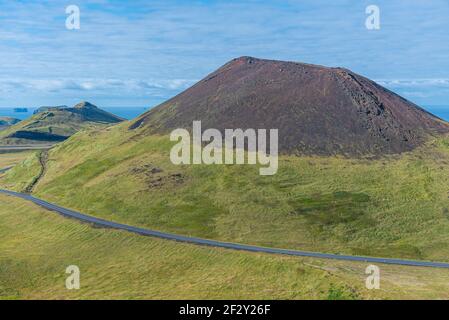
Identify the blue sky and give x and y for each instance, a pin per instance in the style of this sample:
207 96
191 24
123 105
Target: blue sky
139 53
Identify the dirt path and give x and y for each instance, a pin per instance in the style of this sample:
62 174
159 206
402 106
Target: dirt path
43 157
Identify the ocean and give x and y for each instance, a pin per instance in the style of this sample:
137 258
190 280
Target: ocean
124 112
440 111
133 112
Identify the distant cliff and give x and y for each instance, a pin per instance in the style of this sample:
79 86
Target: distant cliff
54 124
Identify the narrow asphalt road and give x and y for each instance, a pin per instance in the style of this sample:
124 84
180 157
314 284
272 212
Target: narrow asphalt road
25 148
5 169
213 243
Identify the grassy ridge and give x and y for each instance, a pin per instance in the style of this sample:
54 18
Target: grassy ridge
54 124
394 207
36 246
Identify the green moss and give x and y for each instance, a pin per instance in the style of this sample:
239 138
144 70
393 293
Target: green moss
340 293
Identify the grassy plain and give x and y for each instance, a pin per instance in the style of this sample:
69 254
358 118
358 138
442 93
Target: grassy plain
36 247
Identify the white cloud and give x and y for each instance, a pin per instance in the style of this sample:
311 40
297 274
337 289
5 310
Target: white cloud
97 85
182 40
414 83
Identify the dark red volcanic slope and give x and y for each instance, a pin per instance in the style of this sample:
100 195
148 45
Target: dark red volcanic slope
318 110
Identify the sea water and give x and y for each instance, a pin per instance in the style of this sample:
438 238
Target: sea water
133 112
439 111
123 112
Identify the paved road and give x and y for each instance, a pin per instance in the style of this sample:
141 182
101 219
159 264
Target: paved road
146 232
25 147
5 169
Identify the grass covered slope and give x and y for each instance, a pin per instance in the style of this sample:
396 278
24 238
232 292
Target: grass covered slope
9 159
56 124
395 206
36 247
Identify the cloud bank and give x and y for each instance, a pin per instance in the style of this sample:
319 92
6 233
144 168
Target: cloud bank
142 52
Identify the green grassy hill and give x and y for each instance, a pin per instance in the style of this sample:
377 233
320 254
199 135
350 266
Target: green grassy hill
36 247
55 124
394 206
